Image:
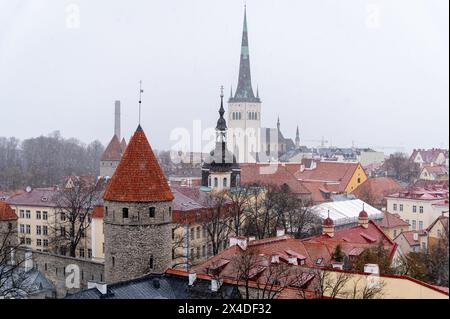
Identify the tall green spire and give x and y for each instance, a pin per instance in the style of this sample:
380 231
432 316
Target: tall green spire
244 91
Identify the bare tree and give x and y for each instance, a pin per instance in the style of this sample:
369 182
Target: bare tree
401 168
217 221
240 198
73 218
262 221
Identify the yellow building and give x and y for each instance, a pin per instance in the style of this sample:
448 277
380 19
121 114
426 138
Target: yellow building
40 222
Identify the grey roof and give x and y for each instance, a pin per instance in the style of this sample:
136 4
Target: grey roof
159 286
21 284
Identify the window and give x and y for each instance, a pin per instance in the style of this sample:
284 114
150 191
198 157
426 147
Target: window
198 252
28 241
38 242
395 233
204 232
28 229
22 240
106 210
407 220
421 209
150 262
192 253
192 234
216 182
424 245
22 228
45 242
38 230
81 252
420 224
62 216
38 214
199 231
401 207
225 182
414 209
45 230
395 207
89 253
63 250
103 247
209 181
151 212
27 214
62 231
204 251
22 213
113 261
81 218
124 212
359 180
319 261
413 225
45 215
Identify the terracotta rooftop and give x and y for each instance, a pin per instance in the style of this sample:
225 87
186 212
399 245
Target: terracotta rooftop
409 236
316 250
123 145
275 174
423 193
329 172
430 155
6 212
138 177
113 151
392 220
378 188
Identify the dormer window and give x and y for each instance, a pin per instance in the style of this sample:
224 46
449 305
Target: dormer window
125 212
151 212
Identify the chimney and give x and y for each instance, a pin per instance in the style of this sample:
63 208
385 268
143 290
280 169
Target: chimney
215 285
240 241
101 286
328 226
280 232
28 261
117 120
192 278
275 259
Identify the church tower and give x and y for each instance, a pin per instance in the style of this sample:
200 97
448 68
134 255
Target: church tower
138 215
244 109
220 170
297 138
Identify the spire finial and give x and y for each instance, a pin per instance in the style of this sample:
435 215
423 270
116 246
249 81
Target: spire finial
221 91
140 100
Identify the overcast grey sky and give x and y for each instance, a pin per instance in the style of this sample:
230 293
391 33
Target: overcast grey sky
371 71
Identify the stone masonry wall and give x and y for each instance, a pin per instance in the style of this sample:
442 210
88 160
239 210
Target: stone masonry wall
131 243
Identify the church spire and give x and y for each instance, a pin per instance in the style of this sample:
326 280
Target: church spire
221 122
297 138
244 91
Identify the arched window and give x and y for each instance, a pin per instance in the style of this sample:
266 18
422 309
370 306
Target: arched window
225 182
216 182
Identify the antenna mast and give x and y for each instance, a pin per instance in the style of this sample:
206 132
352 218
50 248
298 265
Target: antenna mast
140 100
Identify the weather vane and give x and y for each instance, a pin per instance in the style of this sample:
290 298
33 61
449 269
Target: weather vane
140 100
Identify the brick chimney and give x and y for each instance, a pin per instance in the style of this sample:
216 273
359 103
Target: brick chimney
328 226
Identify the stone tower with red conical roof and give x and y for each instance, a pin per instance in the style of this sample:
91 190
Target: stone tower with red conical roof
138 215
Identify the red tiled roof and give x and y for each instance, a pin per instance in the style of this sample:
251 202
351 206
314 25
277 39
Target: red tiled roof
138 177
442 219
430 155
378 187
433 192
113 151
409 236
6 212
313 249
392 220
275 174
330 172
98 211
